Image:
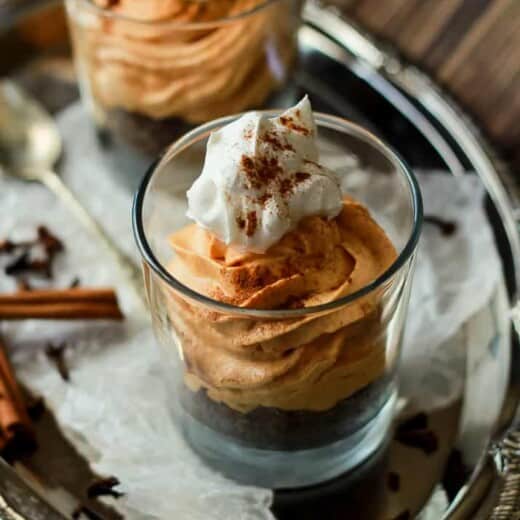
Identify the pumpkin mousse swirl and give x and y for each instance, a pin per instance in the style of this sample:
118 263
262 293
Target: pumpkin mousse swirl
308 363
148 59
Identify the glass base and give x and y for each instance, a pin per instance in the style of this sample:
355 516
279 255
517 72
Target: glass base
289 469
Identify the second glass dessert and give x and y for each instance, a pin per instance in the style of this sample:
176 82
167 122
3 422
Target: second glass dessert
278 281
149 71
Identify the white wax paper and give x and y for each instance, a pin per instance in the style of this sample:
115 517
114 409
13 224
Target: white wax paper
115 407
455 277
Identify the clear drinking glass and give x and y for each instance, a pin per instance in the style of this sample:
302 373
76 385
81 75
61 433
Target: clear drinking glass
269 446
149 71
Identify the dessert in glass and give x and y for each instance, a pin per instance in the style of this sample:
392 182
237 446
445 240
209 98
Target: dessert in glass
150 70
278 277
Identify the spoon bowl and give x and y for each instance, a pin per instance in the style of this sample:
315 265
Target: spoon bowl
29 137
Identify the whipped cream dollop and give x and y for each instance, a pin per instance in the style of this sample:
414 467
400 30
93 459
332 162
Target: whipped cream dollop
261 176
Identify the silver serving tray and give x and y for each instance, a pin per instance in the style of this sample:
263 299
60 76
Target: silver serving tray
492 487
347 72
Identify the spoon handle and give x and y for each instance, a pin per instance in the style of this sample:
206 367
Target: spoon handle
128 267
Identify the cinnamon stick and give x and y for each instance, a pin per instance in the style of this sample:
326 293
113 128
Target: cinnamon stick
74 295
61 304
61 311
15 424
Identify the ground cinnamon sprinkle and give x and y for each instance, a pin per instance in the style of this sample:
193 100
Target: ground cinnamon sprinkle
241 223
251 224
286 187
264 172
289 122
247 163
262 200
288 184
261 171
266 175
275 142
269 169
248 279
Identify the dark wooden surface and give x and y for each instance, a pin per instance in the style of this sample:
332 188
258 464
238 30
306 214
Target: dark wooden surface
472 47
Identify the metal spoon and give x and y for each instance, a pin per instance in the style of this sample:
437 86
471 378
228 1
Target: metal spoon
30 146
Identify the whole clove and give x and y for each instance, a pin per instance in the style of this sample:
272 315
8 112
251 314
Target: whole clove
23 262
414 432
19 265
23 285
104 487
50 242
41 266
418 421
56 355
446 227
424 440
6 246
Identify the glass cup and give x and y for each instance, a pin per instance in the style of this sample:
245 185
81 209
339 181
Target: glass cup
291 396
148 74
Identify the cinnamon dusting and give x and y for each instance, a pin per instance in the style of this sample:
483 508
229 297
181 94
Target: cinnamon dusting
275 142
266 173
262 200
251 223
260 171
286 187
289 122
241 223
